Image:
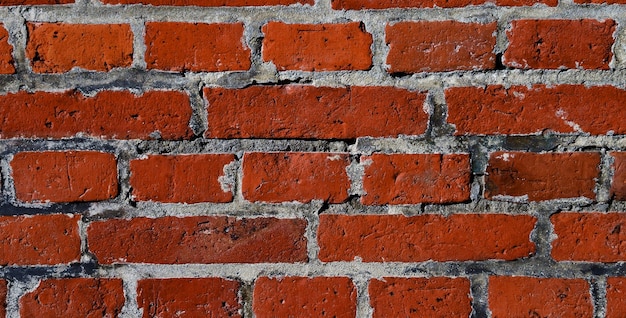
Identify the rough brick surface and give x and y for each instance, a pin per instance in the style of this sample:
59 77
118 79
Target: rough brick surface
74 297
6 51
420 297
593 237
396 238
380 4
438 46
202 239
42 239
304 297
554 44
59 47
416 178
615 297
33 2
537 177
522 110
189 297
291 176
71 176
211 3
196 47
108 114
539 297
183 178
618 184
317 47
3 297
297 111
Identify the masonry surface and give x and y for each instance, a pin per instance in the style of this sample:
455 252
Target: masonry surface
312 158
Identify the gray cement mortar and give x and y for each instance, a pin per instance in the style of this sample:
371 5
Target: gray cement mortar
438 139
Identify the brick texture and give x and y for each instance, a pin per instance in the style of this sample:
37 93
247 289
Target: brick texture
557 44
439 46
33 2
618 185
189 297
594 237
39 240
304 297
108 114
3 297
615 297
396 238
420 297
183 178
539 297
71 176
74 297
384 4
6 50
59 47
203 239
523 110
280 177
537 177
298 111
416 178
317 47
196 47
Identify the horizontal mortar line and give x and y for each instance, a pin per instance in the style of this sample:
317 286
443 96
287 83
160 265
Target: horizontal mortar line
363 145
303 14
249 272
145 80
98 211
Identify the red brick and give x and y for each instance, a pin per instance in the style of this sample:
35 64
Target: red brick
539 297
439 46
6 51
385 4
618 185
179 47
74 297
615 297
59 47
594 237
211 3
317 47
3 298
32 2
304 297
396 238
71 176
108 114
538 177
41 239
555 44
522 110
189 297
298 111
416 178
420 297
203 239
184 178
292 176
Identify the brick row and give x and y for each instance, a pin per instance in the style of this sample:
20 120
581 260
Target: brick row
321 296
83 176
414 46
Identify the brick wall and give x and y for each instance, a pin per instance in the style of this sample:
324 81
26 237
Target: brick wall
312 158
